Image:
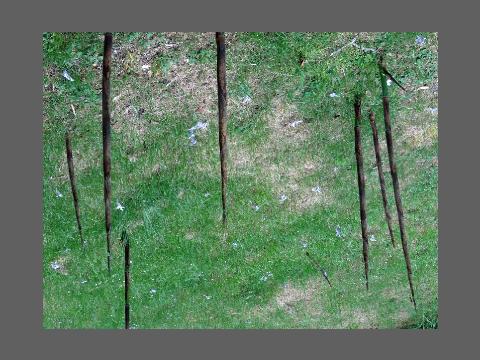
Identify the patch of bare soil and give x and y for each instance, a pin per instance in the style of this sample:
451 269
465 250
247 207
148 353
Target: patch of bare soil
306 298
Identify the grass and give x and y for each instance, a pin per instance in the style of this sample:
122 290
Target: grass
185 272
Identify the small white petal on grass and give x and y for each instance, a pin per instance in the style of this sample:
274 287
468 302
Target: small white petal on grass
67 76
208 297
295 123
246 100
372 238
304 244
119 206
257 207
145 67
206 194
420 40
317 189
58 193
267 276
338 231
235 245
153 291
333 95
55 265
283 198
389 82
83 281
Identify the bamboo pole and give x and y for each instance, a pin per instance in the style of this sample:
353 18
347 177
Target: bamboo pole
222 117
107 56
393 172
361 184
73 186
381 178
127 278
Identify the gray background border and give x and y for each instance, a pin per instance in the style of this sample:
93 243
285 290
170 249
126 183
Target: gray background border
21 149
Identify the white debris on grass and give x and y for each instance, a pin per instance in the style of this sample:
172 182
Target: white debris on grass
420 40
304 244
191 132
146 67
246 100
208 297
433 111
423 88
267 276
338 231
257 207
235 245
317 189
153 291
207 194
372 238
119 206
295 123
55 265
67 76
83 281
389 82
58 193
333 95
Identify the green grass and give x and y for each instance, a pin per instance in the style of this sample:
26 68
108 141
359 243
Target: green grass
201 277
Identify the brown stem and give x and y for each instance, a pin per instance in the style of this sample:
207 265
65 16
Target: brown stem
361 184
127 278
222 114
107 57
71 174
393 172
381 178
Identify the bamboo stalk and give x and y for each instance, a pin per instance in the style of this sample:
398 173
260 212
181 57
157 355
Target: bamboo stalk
73 186
222 114
107 56
381 178
361 184
393 172
127 278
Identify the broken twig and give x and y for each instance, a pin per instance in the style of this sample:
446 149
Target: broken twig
317 265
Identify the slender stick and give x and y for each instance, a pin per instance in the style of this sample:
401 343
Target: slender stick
71 174
361 184
222 117
127 278
317 265
381 178
107 57
393 171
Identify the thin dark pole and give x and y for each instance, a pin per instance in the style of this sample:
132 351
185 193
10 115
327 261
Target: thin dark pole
317 265
222 117
381 178
107 58
73 186
127 278
361 183
393 172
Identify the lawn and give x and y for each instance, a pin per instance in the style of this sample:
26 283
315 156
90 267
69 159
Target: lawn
292 181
